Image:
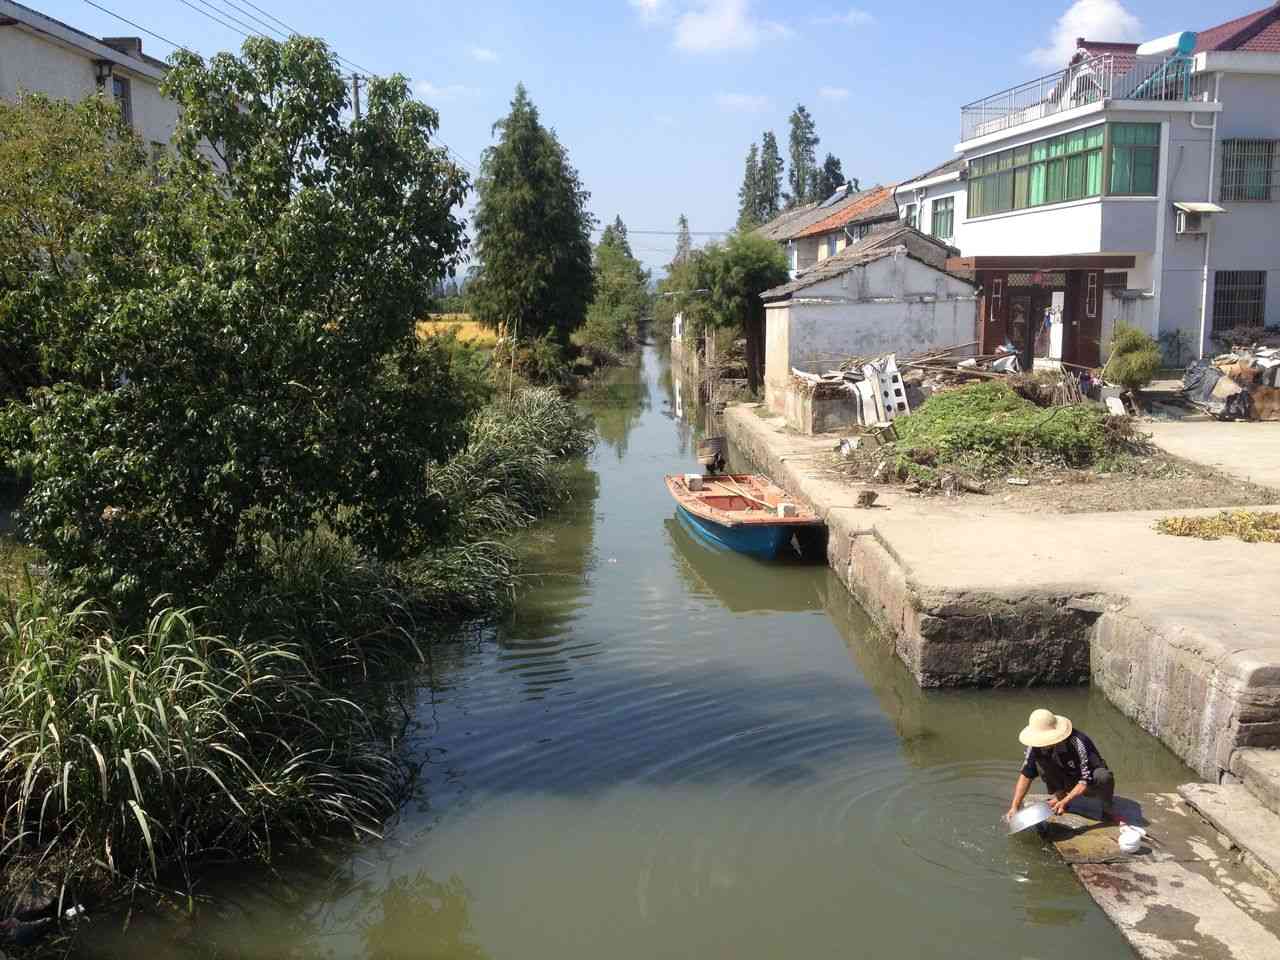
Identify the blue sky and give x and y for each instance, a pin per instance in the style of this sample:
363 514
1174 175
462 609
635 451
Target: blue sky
658 100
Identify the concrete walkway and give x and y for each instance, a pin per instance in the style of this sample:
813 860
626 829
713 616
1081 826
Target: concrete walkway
1246 451
1180 633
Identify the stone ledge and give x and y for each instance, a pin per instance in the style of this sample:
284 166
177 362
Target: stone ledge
1238 815
1260 772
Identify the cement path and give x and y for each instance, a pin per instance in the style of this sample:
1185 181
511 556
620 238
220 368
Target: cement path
1247 451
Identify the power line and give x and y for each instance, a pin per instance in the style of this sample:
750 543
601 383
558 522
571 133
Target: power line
138 26
216 17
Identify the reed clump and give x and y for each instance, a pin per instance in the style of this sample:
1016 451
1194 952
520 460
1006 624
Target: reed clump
128 754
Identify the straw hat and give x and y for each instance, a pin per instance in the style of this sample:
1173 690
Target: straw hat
1044 728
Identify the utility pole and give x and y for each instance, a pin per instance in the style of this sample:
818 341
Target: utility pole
355 93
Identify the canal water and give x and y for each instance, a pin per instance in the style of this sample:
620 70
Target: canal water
670 751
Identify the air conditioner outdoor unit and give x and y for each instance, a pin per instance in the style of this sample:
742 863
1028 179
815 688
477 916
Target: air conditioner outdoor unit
1191 222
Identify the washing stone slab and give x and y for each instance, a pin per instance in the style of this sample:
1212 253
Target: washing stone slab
1236 813
1260 771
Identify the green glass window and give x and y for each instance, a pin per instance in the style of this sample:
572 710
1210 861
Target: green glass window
943 221
1065 167
1135 154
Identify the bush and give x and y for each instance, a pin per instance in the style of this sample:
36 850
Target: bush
1135 358
126 752
988 427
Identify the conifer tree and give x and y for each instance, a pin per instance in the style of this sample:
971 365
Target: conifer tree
532 231
830 177
804 140
749 192
684 243
770 192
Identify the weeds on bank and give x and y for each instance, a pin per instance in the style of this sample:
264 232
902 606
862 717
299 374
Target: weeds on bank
1251 526
987 430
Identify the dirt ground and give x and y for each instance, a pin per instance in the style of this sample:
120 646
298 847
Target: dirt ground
1157 482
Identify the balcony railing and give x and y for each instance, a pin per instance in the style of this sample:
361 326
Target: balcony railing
1104 77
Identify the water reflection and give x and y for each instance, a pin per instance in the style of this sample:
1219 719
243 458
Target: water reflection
421 917
617 400
742 584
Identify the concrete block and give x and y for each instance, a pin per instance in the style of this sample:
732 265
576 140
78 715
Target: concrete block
1237 813
1259 771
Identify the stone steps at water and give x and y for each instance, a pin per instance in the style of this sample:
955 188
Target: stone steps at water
1259 770
1243 821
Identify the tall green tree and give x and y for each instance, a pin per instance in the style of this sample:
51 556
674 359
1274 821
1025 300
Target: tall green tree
803 175
235 353
615 235
684 243
830 177
532 231
735 274
749 192
771 171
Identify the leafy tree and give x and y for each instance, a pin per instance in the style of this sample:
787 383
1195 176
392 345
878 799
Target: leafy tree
684 243
242 361
830 177
804 140
61 202
770 178
684 290
532 231
749 192
735 274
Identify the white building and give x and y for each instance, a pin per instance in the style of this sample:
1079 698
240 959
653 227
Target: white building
887 293
43 55
1139 183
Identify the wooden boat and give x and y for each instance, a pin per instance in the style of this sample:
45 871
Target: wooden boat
741 511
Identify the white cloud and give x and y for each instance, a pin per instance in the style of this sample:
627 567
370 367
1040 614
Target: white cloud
650 10
429 91
743 102
714 26
483 54
1091 19
833 93
854 17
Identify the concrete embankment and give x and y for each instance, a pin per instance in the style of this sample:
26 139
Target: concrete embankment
1180 634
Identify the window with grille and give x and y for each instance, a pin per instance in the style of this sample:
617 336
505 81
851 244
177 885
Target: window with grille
1249 170
1239 299
122 90
943 223
912 215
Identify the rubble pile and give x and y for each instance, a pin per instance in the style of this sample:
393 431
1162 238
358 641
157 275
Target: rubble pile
1241 385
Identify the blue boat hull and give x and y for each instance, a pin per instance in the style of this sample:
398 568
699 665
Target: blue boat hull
756 540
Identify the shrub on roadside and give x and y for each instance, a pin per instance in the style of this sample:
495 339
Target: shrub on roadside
1135 358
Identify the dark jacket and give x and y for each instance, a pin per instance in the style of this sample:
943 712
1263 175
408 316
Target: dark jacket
1076 755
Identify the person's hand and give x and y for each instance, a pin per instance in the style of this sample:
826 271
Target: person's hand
1010 814
1060 806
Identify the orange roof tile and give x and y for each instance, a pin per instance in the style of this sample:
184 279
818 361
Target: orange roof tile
864 204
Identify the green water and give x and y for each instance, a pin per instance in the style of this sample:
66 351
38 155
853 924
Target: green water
674 752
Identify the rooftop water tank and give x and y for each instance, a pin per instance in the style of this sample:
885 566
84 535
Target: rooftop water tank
1175 43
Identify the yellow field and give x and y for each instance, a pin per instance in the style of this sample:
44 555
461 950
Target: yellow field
460 323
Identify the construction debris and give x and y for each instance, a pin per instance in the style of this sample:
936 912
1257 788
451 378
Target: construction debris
1242 385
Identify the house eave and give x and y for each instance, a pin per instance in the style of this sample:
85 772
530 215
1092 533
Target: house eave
46 28
1088 111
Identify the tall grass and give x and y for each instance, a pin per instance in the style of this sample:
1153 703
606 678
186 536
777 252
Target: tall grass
127 753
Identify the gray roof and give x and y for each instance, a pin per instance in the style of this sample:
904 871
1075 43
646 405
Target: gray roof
954 165
882 241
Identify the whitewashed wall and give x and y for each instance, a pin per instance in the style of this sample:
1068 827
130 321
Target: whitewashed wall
892 305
